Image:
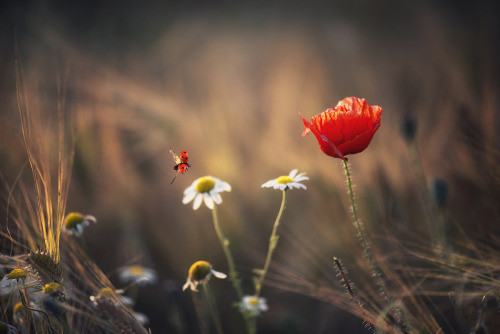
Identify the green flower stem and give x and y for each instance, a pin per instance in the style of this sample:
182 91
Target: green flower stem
362 237
403 315
273 241
233 274
200 313
212 307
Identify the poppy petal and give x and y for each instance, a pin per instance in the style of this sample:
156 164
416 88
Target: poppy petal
346 129
324 143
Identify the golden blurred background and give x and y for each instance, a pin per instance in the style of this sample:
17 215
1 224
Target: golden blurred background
226 82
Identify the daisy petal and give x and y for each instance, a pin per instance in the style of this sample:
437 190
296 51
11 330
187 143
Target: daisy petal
217 198
269 183
208 200
218 274
197 201
190 189
188 197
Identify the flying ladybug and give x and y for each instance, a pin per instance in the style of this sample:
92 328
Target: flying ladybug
181 163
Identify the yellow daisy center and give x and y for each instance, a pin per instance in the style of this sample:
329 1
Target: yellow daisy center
17 274
205 185
199 270
253 301
136 270
18 307
106 293
73 219
284 179
52 287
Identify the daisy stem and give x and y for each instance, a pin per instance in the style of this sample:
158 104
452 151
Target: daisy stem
212 307
199 313
273 241
233 274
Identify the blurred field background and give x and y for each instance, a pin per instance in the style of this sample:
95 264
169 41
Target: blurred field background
226 83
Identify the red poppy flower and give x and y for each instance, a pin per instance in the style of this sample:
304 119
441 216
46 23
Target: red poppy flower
346 129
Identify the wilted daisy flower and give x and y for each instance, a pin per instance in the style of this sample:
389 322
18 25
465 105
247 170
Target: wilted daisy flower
75 222
253 305
200 273
205 188
137 274
287 181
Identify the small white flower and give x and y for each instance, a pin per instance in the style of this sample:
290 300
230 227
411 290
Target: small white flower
75 223
199 273
205 188
114 296
142 318
253 305
289 181
137 274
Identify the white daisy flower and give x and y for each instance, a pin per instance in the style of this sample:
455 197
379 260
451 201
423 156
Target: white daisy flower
289 181
137 274
253 305
205 188
75 223
199 273
14 280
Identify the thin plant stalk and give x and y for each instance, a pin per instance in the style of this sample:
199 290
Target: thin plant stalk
364 243
362 237
273 241
212 308
199 313
428 210
233 274
25 304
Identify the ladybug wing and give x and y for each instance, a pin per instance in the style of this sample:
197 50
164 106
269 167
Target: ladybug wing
176 157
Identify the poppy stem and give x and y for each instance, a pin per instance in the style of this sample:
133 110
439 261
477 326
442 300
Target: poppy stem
273 242
364 243
233 274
